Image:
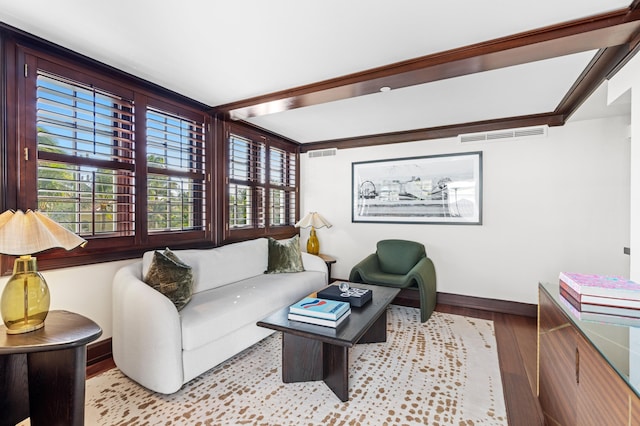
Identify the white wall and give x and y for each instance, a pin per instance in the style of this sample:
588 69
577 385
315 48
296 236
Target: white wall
551 204
85 290
628 80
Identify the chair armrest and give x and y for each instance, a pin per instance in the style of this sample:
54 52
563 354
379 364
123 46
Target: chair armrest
362 269
424 274
424 271
147 337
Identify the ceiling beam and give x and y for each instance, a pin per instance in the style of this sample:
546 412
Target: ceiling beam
605 63
596 32
550 119
603 66
598 69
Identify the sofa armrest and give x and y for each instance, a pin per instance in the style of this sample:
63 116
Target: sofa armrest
147 337
315 263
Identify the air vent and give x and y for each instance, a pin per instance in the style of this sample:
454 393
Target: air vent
322 152
509 134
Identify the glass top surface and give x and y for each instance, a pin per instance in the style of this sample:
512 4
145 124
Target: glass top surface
619 344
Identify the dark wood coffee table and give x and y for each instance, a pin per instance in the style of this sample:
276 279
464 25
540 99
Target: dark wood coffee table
312 352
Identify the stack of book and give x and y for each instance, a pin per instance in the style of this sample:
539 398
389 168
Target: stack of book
328 313
610 299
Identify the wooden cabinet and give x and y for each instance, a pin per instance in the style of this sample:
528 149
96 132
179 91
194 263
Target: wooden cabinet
603 397
577 384
635 411
557 391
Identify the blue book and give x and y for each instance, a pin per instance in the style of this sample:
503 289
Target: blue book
320 308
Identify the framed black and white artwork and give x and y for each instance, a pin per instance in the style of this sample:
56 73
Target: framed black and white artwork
436 189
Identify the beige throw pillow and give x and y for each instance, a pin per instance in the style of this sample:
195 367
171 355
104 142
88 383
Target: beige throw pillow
171 277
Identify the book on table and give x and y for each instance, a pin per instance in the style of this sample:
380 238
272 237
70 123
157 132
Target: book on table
319 321
354 296
320 308
610 287
598 300
599 309
598 317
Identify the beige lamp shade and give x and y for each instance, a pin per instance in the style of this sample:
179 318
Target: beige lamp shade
25 300
32 232
313 219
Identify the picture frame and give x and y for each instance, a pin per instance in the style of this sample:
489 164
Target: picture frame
434 189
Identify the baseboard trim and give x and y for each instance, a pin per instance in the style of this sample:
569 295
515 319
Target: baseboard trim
99 351
410 297
493 305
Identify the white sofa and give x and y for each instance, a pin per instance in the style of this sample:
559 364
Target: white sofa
162 349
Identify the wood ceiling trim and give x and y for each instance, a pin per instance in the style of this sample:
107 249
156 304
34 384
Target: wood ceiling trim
604 64
594 74
597 32
550 119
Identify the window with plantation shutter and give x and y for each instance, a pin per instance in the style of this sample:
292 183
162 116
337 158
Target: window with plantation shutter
282 176
176 172
246 182
86 157
124 165
261 183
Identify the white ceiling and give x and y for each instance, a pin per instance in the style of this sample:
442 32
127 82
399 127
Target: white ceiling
506 92
218 52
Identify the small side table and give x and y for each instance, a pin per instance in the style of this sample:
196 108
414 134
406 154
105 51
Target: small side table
42 373
329 261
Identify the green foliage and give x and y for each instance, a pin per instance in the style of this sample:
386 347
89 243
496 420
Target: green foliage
239 205
80 200
170 201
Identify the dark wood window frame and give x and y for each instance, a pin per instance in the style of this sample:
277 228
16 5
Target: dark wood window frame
18 177
262 224
85 154
200 174
20 63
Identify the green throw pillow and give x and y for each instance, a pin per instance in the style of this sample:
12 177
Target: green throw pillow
284 256
171 277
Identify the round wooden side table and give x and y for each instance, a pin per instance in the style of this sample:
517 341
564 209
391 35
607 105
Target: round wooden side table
43 372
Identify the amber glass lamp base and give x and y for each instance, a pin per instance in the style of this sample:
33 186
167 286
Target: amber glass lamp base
25 299
313 245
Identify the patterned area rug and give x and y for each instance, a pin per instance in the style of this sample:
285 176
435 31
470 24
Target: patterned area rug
442 372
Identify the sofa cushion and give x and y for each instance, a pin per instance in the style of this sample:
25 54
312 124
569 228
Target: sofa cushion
171 277
284 256
220 311
222 265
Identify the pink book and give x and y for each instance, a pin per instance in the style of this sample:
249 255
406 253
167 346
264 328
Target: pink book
601 285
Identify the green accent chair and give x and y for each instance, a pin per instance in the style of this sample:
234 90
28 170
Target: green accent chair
400 264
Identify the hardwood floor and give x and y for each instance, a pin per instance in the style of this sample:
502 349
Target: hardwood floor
517 350
99 367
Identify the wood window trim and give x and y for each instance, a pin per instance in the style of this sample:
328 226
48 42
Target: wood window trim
20 58
13 45
278 231
85 151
